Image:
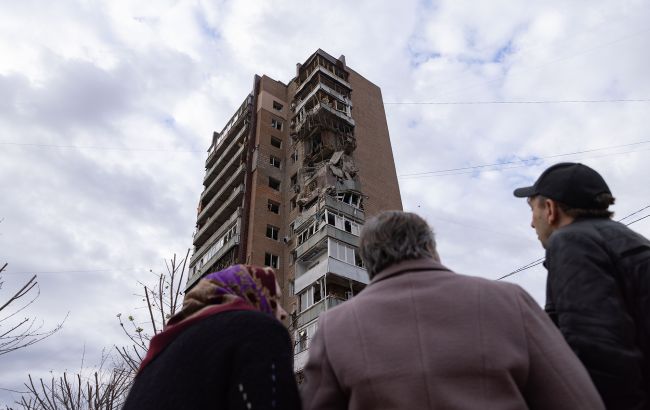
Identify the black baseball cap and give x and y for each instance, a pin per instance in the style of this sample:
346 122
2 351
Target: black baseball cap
573 184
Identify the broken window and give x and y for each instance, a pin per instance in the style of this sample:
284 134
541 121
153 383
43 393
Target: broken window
271 260
272 232
277 124
273 206
275 161
350 199
276 142
277 106
274 184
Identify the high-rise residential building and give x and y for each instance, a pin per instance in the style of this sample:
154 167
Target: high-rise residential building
289 182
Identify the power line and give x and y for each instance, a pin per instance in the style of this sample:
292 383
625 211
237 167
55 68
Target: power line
541 260
468 169
516 102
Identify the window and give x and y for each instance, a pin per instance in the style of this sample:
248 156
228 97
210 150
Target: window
277 106
312 295
340 106
342 223
272 232
304 336
350 199
277 124
274 206
292 203
271 260
345 253
275 161
274 183
294 179
308 232
276 142
294 156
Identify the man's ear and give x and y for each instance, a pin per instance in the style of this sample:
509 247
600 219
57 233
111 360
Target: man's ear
552 211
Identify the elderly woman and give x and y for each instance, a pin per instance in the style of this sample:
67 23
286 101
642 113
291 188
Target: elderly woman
226 349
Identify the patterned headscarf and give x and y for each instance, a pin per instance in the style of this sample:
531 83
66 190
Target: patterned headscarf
253 284
239 287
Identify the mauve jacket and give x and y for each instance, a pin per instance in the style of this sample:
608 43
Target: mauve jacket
422 337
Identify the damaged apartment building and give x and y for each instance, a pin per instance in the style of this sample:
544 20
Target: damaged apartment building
289 182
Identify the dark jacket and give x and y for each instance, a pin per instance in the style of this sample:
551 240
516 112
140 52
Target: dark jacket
231 360
598 294
422 337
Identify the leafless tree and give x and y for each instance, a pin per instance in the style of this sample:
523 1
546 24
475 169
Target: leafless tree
20 332
107 389
101 390
163 300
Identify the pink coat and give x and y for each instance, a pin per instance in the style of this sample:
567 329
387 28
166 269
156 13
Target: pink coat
422 337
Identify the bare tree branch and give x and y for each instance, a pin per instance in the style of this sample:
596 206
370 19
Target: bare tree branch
26 331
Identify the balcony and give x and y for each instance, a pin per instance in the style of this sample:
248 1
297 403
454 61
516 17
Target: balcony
304 250
233 150
238 119
229 168
234 241
200 251
328 90
312 312
334 266
313 111
220 216
346 209
235 179
330 203
325 71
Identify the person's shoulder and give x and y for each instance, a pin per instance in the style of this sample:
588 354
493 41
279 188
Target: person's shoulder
579 231
243 323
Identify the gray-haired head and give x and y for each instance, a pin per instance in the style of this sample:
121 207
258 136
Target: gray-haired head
395 236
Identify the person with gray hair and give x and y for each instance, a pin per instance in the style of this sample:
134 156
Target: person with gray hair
420 336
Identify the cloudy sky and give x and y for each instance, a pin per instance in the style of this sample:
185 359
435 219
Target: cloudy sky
107 109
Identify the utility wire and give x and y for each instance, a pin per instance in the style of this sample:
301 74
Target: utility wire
520 161
516 102
541 260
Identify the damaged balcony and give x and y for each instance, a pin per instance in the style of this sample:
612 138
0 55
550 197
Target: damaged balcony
315 112
320 90
323 62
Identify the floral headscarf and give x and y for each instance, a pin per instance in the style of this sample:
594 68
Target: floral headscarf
239 287
254 284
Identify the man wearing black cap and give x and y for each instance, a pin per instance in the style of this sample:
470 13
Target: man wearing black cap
598 288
